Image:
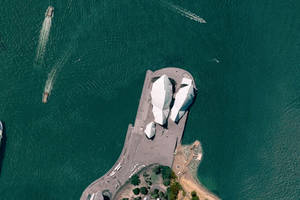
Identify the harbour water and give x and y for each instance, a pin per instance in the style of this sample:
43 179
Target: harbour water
245 60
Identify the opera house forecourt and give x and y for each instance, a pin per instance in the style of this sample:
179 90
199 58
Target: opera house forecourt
156 134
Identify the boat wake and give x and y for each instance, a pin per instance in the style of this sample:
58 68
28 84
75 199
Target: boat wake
184 12
43 39
50 80
216 60
52 76
292 106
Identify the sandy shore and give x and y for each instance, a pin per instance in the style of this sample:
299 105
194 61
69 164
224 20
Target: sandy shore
186 161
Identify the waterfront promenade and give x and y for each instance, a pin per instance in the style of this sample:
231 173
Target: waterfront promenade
138 151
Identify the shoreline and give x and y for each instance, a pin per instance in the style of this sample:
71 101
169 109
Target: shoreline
186 163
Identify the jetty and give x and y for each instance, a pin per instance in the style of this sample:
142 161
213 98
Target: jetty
138 151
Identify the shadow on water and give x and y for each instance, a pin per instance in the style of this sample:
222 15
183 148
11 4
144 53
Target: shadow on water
189 109
2 148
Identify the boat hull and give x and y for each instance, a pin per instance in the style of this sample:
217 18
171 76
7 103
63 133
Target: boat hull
1 130
49 12
45 97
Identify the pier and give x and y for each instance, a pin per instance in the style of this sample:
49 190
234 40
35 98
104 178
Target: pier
138 151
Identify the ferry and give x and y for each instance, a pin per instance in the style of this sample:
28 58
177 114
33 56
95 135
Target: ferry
1 130
45 97
49 11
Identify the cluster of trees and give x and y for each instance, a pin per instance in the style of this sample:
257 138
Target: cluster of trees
135 180
147 178
166 173
173 190
169 180
194 196
142 190
158 194
137 191
171 193
136 198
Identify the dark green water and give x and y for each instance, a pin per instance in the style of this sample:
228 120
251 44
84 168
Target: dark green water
247 113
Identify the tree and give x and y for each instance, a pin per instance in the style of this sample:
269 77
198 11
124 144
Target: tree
144 190
173 175
154 193
125 199
135 180
161 194
166 182
145 174
194 196
173 190
157 169
171 196
166 172
149 182
136 191
175 187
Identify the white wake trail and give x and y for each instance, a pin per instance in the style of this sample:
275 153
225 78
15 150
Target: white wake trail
53 74
185 12
50 81
44 36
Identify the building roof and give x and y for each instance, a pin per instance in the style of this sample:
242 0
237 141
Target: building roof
150 130
183 99
161 95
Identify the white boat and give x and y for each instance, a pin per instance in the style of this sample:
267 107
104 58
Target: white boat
49 12
45 97
1 130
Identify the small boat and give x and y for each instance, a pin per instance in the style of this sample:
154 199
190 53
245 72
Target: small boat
49 11
1 130
45 97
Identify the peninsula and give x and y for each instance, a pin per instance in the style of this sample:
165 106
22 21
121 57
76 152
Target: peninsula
156 135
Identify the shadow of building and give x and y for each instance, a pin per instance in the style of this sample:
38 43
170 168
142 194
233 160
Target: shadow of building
2 148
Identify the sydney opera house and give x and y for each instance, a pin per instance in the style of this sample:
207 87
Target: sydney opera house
162 99
164 104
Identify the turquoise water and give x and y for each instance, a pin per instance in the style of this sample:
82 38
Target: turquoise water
245 61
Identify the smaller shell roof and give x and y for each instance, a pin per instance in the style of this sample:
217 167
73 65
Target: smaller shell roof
150 130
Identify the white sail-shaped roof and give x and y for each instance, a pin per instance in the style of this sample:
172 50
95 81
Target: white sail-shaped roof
183 99
150 130
161 95
1 131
